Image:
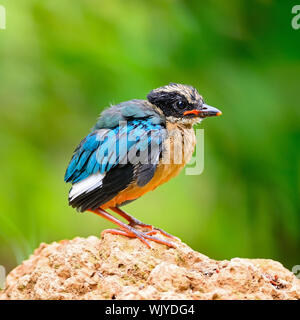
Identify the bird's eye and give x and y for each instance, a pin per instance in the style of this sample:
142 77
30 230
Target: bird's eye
180 105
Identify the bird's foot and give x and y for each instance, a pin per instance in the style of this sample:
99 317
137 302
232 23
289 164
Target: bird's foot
133 222
129 231
143 236
153 230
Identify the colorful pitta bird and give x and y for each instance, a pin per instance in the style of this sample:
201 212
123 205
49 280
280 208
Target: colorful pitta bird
133 148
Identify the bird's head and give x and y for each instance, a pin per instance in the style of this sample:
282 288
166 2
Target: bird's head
181 103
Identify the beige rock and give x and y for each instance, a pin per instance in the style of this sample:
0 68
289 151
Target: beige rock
117 267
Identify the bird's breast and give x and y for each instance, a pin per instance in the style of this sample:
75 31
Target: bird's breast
178 149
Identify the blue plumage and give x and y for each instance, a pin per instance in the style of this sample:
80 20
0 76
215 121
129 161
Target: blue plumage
110 143
133 109
81 159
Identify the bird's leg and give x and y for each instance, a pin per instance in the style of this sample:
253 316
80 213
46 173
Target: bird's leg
132 220
128 230
135 222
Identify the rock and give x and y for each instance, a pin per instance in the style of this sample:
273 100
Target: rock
117 267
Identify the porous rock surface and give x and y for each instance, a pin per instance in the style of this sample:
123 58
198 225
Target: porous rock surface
116 267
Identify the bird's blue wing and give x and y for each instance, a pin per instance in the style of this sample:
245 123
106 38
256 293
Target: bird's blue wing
111 153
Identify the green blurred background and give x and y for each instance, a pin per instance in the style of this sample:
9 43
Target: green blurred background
63 61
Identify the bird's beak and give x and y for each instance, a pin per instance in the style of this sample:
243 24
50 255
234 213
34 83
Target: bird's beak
205 111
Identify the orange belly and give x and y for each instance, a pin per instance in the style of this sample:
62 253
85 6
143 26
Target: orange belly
181 142
163 174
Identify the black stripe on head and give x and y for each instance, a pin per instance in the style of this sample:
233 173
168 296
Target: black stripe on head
174 99
169 102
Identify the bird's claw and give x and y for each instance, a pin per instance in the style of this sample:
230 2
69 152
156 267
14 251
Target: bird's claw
143 236
153 230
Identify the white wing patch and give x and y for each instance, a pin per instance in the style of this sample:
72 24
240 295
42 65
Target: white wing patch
90 183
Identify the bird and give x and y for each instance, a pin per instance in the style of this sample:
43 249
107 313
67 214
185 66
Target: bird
130 151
